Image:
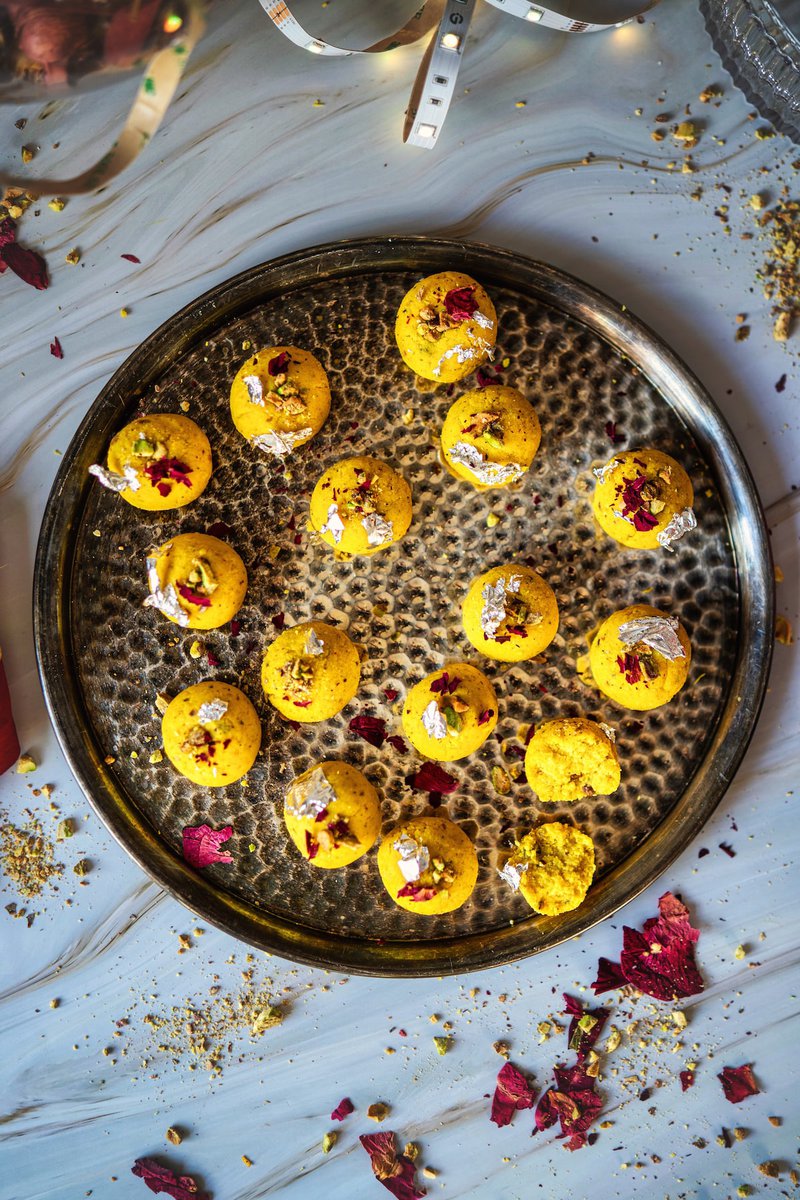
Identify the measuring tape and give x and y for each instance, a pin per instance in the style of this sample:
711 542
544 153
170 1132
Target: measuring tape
434 85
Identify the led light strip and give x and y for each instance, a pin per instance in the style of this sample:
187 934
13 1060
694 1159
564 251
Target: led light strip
435 82
159 83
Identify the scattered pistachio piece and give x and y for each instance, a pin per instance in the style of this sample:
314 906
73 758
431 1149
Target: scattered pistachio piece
26 764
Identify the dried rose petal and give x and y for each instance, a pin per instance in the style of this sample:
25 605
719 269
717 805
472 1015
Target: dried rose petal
512 1091
573 1101
738 1083
644 520
417 892
630 666
484 379
212 659
131 258
55 348
279 365
193 597
445 684
609 976
485 716
660 960
220 530
395 1171
8 231
342 1110
433 778
391 694
585 1027
236 628
461 303
371 729
612 435
161 1179
162 469
687 1080
312 846
398 743
27 264
279 620
201 845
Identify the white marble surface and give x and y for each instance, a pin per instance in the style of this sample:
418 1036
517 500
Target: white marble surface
246 168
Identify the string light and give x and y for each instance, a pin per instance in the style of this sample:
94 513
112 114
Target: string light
172 22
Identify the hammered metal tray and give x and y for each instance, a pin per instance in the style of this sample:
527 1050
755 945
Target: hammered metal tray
583 362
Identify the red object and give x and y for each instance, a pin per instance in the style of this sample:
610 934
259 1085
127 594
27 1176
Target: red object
581 1040
687 1080
738 1083
161 1179
416 892
9 742
371 729
573 1101
342 1110
461 303
395 1171
201 845
279 365
55 348
513 1091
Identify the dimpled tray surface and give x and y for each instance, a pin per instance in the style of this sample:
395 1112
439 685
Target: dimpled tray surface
402 605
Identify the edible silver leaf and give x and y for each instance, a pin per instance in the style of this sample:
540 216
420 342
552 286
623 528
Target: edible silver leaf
166 600
434 722
310 796
656 632
255 389
414 857
280 443
114 482
469 456
314 644
512 873
608 731
481 319
681 524
212 710
603 473
493 612
379 530
334 525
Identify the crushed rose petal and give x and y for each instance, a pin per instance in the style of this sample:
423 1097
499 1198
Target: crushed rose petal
445 684
417 892
630 666
687 1080
395 1171
585 1027
279 365
609 976
131 258
391 693
433 778
371 729
512 1091
56 349
342 1110
161 1179
219 530
193 597
738 1083
485 716
611 433
312 846
279 620
27 264
573 1101
212 659
461 303
201 845
236 628
660 961
398 743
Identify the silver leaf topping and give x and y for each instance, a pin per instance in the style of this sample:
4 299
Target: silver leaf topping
414 857
512 873
114 482
280 443
310 796
481 319
212 710
603 473
334 524
255 389
682 523
656 632
469 456
379 530
465 353
166 599
434 722
314 644
493 612
608 731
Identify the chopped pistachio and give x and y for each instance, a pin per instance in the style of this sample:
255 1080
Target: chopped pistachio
378 1112
82 867
65 829
329 1141
57 204
73 256
492 520
173 1136
411 1150
442 1044
157 756
25 764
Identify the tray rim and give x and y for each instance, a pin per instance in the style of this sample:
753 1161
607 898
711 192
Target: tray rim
750 547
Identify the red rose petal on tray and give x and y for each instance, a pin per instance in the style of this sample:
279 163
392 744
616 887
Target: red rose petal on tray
219 530
687 1080
212 659
585 1027
56 349
342 1110
201 845
371 729
161 1179
395 1171
659 961
433 778
612 435
391 693
513 1091
738 1083
8 232
398 743
609 976
27 264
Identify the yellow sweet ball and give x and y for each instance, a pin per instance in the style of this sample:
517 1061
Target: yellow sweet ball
280 398
310 672
510 613
428 865
360 505
158 462
643 499
490 436
446 326
571 758
196 580
450 713
640 657
211 733
553 867
332 814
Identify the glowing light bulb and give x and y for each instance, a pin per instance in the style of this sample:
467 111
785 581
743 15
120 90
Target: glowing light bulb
534 14
451 41
172 22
